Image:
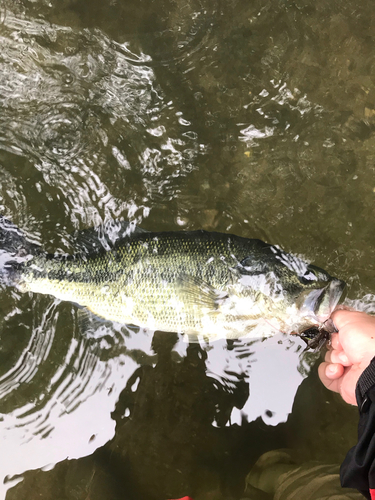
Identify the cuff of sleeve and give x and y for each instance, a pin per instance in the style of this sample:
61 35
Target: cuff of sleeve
366 381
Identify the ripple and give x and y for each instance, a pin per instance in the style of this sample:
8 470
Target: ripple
12 198
58 382
87 113
59 134
365 304
188 33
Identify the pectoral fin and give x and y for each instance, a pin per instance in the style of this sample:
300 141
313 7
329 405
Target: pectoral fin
252 265
198 292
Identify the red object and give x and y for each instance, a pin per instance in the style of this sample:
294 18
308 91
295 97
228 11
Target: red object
372 493
183 498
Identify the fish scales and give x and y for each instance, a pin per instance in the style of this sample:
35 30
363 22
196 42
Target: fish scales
147 280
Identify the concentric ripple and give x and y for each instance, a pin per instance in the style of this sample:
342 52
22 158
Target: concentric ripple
76 105
59 134
61 382
190 31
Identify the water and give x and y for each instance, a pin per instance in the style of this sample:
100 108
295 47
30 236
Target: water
255 119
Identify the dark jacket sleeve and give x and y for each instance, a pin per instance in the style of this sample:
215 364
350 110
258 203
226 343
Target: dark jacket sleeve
358 469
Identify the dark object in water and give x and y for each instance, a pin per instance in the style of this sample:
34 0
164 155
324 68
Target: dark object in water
317 337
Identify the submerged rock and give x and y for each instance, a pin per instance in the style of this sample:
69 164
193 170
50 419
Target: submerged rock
278 474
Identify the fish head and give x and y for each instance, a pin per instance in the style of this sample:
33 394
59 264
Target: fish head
289 293
320 293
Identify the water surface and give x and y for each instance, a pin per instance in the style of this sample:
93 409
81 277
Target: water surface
255 119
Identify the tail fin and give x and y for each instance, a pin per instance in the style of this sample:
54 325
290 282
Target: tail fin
15 249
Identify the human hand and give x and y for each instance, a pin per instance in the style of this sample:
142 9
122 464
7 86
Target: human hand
352 350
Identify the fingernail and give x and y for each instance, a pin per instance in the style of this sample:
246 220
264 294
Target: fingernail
331 370
343 358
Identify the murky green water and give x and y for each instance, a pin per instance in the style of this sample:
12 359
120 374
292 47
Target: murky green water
255 118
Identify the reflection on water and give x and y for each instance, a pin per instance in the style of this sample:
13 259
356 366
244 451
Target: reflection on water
56 386
92 367
255 119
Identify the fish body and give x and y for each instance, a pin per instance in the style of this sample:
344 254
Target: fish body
195 282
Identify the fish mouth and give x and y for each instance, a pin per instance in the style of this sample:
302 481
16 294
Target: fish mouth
328 299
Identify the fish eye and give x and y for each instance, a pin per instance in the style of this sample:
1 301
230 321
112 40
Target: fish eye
312 274
308 277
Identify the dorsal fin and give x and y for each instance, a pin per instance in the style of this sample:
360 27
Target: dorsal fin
104 236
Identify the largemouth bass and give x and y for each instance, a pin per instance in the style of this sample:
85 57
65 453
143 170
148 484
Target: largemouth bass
193 282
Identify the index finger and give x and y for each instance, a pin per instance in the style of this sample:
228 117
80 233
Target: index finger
343 317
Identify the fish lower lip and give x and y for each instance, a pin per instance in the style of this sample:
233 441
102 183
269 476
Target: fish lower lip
334 290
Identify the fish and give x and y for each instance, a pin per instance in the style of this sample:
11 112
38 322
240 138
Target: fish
198 283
